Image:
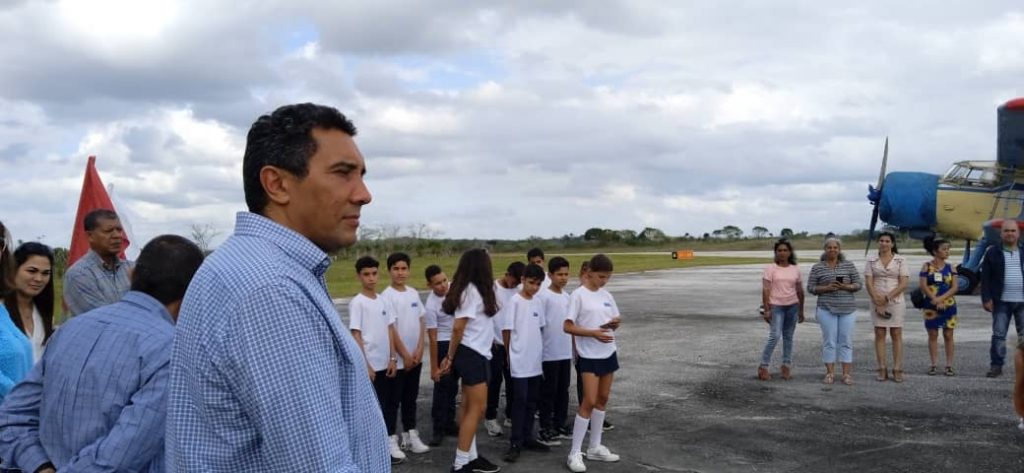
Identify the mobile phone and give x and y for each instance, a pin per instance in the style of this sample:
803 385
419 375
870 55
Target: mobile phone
839 279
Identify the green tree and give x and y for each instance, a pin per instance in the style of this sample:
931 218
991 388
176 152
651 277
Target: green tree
786 233
732 232
759 231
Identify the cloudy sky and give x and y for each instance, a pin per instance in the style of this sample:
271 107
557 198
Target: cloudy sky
503 119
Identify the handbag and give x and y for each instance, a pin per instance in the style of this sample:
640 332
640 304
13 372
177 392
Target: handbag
917 298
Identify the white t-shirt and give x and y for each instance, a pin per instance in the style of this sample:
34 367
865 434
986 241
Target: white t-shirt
502 295
38 334
557 343
372 320
407 310
436 318
479 333
590 310
526 346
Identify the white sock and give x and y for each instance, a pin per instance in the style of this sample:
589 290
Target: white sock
579 430
461 459
596 427
472 449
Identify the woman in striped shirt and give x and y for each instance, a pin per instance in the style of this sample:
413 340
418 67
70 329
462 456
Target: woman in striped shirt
834 280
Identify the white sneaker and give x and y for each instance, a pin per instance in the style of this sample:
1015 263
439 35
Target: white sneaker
493 427
575 462
411 442
397 456
508 423
602 454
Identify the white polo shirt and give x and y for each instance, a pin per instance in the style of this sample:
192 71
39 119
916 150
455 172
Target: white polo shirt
479 333
436 318
502 295
371 319
526 346
407 310
557 343
590 310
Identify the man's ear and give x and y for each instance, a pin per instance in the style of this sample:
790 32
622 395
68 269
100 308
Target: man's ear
277 183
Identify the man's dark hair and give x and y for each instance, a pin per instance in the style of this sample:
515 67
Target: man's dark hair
92 219
533 271
284 139
366 262
431 271
534 252
165 268
601 264
557 263
516 269
394 258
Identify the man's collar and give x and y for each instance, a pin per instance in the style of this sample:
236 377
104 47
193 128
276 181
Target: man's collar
292 243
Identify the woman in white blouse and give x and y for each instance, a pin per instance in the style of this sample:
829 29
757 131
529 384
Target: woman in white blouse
31 302
886 276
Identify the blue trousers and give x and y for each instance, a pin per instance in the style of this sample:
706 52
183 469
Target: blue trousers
782 326
836 336
1001 315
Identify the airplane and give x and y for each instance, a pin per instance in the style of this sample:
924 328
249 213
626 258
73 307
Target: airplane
969 201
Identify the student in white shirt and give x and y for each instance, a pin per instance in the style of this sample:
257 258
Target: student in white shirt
439 333
593 317
521 321
404 303
536 256
557 358
471 299
504 289
373 328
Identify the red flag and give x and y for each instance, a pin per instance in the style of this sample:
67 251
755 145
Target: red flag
94 196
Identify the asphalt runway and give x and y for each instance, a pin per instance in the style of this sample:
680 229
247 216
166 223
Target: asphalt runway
686 398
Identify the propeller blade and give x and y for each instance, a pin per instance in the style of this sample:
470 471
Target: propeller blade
885 160
871 229
881 180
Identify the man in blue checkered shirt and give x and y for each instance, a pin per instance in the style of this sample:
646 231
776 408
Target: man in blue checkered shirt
264 377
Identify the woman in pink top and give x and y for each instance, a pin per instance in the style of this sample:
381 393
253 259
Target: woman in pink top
783 299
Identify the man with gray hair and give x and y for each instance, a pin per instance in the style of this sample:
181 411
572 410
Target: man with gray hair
1002 291
100 277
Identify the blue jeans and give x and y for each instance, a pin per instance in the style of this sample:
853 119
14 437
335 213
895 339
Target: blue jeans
1001 314
836 332
782 325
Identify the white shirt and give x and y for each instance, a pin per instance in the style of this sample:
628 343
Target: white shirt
479 333
502 295
372 320
522 317
555 306
590 310
436 318
38 334
407 310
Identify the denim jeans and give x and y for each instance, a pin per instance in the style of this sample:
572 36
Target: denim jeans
1001 314
836 336
782 325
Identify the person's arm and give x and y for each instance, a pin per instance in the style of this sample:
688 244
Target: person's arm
137 437
435 368
1018 385
506 337
877 299
458 329
19 424
81 292
986 280
855 283
358 336
603 335
356 314
953 288
800 298
417 353
766 294
393 341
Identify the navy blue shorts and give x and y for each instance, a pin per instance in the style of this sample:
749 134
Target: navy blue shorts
599 367
472 367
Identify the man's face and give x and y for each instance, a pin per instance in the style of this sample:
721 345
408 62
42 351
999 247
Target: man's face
106 239
324 206
511 280
1010 232
560 278
439 284
537 260
368 278
399 272
531 286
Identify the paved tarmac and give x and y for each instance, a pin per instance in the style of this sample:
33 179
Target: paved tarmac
687 399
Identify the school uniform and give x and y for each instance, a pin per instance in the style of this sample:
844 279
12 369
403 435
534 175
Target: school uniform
590 310
557 359
408 312
442 409
473 354
371 318
522 318
499 370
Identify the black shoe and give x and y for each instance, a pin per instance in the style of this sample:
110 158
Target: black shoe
436 438
513 453
564 433
534 446
607 426
549 438
481 465
995 371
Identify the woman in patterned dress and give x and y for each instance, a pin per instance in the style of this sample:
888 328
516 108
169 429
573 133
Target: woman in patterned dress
938 283
886 276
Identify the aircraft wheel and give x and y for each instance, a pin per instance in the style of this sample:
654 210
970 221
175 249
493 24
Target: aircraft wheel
968 281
